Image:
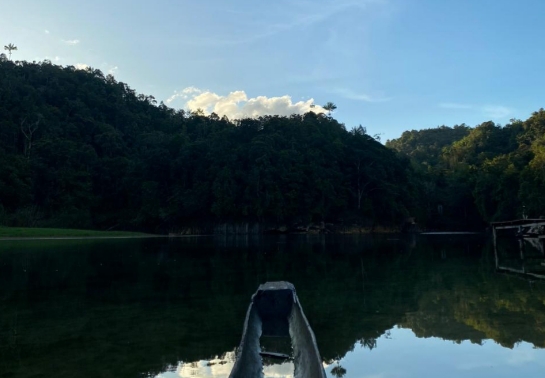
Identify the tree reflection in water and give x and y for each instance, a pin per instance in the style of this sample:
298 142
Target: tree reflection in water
139 307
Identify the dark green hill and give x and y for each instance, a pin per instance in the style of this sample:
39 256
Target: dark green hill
425 146
473 175
79 149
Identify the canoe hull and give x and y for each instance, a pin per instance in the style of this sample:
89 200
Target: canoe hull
275 310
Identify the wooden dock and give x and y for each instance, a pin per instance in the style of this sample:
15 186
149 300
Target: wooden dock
534 228
521 249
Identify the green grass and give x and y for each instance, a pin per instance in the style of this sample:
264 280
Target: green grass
24 232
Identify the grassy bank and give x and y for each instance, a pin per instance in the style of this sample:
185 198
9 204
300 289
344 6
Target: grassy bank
24 232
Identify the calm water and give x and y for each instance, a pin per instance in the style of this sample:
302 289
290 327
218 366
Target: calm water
380 307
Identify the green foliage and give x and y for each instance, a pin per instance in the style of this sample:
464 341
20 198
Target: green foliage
532 181
426 146
79 149
330 107
471 175
9 48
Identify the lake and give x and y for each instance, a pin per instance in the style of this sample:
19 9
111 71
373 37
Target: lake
380 307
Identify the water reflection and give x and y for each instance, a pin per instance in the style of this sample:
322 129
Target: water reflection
220 367
403 354
137 308
522 256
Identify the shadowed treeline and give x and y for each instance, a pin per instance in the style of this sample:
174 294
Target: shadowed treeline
79 149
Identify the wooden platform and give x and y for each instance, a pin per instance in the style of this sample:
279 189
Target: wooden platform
517 223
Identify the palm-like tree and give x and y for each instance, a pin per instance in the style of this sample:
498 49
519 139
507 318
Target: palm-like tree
11 47
329 107
338 371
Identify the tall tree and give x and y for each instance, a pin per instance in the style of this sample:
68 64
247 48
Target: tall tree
9 48
330 107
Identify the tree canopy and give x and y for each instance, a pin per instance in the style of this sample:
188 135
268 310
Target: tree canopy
490 171
80 149
9 48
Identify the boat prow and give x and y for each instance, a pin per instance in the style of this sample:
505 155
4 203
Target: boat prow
276 311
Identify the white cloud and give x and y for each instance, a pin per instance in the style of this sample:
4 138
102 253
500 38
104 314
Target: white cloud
237 105
57 58
351 95
46 31
71 42
191 90
454 105
497 112
113 70
184 94
81 66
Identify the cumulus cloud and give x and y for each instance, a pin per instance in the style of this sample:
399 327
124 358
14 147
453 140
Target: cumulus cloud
237 105
183 94
81 66
71 42
113 70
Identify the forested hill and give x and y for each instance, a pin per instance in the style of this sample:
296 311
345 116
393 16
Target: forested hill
79 149
487 173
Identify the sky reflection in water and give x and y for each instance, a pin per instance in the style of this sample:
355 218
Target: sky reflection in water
139 308
402 354
221 368
399 353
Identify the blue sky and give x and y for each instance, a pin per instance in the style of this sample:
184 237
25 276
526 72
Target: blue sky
389 65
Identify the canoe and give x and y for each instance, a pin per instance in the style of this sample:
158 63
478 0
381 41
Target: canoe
275 311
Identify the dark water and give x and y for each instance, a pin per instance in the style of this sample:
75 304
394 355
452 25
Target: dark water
380 307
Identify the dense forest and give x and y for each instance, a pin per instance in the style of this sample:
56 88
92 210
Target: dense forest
486 173
80 149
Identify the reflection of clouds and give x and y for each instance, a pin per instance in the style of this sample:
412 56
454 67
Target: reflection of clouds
395 374
284 370
401 355
518 356
220 367
475 365
406 355
522 356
